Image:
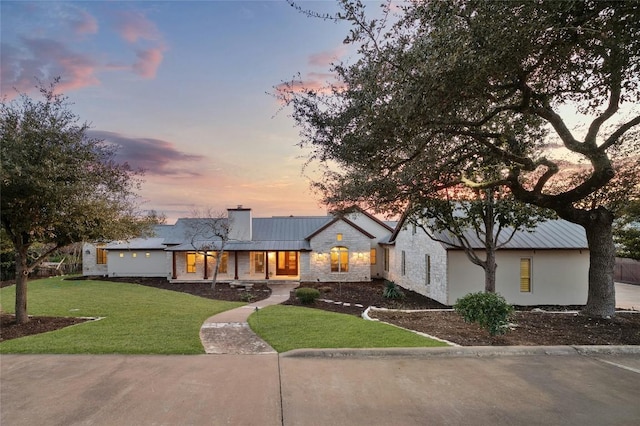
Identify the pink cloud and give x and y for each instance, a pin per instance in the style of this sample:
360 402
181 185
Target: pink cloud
133 26
148 62
85 24
45 59
326 58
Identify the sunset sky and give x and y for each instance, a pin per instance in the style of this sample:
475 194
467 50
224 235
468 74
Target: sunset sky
183 88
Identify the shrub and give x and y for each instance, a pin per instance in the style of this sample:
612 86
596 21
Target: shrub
307 295
246 296
490 310
392 291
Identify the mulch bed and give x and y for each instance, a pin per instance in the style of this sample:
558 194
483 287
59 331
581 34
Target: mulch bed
529 327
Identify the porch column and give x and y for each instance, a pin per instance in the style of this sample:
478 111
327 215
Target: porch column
206 272
235 259
173 266
266 261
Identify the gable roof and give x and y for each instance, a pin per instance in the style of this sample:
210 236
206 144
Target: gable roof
337 219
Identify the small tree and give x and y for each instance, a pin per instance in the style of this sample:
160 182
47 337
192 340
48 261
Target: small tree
489 218
210 232
58 186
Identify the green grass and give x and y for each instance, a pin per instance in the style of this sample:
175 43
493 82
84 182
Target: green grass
290 327
136 319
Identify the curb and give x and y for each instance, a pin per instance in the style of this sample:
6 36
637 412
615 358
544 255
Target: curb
463 351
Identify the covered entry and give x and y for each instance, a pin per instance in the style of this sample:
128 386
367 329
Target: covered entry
286 263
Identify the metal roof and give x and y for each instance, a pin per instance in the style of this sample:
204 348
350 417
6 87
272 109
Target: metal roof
552 234
291 228
211 245
137 244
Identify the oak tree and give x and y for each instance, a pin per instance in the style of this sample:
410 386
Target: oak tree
58 186
439 90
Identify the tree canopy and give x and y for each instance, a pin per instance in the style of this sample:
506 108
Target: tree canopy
59 186
441 91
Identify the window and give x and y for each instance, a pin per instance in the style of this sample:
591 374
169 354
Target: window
134 254
222 269
257 259
191 262
339 237
101 256
403 263
427 265
339 259
372 256
386 259
525 275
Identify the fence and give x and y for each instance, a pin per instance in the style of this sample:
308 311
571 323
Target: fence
627 271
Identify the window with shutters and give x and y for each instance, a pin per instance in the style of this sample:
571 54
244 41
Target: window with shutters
525 275
101 256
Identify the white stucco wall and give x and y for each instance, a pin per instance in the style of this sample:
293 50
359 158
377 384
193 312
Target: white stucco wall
137 263
319 261
89 265
558 277
416 246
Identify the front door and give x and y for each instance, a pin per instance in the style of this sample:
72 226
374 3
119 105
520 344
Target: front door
287 263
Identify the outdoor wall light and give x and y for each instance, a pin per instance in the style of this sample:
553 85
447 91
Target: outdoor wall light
87 251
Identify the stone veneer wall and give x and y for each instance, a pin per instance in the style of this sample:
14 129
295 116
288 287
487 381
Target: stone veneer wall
416 245
317 264
89 265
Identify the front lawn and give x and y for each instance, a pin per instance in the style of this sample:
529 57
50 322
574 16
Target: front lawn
135 319
290 327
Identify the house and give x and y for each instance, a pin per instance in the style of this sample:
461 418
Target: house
548 266
341 247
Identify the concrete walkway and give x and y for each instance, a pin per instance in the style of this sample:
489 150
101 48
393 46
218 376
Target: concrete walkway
229 332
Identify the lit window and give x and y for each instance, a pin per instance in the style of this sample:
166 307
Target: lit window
373 256
525 275
101 256
223 265
191 262
258 261
339 259
339 237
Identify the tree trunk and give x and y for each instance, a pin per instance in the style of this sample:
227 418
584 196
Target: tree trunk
490 272
22 273
601 301
214 279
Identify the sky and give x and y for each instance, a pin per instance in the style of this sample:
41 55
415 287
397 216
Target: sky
185 89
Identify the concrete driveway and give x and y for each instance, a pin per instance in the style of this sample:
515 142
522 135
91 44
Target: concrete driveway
330 388
628 296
